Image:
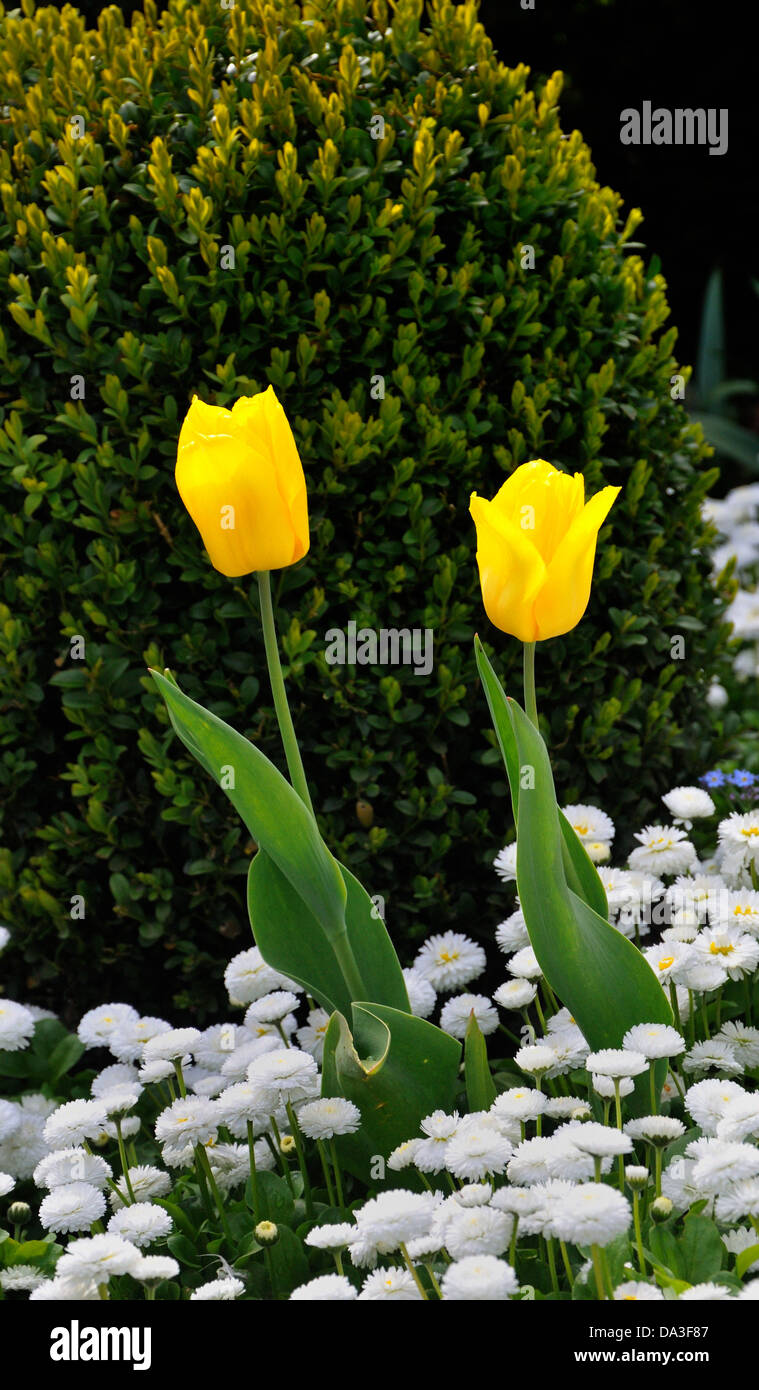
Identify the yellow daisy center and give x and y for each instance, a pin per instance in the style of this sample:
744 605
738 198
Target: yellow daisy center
716 950
665 962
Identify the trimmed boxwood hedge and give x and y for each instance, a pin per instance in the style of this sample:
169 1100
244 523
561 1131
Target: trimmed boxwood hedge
206 202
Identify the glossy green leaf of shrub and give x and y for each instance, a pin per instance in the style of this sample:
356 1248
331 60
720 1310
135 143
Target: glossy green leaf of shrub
396 1068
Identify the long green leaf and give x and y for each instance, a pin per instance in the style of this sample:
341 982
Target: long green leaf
710 360
600 976
274 813
581 873
396 1068
480 1087
291 940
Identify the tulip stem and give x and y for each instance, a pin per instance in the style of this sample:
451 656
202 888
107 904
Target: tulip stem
284 718
530 705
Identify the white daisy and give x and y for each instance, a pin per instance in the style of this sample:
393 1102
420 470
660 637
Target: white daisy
477 1149
328 1116
71 1207
75 1121
248 977
736 951
449 961
456 1013
479 1279
616 1062
593 1214
142 1223
152 1269
284 1074
714 1055
97 1025
709 1101
739 841
635 1290
505 863
589 823
188 1120
524 964
394 1284
478 1231
421 995
515 994
536 1058
688 803
654 1040
663 849
311 1035
147 1183
126 1040
16 1026
72 1165
218 1291
326 1288
511 934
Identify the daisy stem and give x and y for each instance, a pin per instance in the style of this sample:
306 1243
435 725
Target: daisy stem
528 1025
691 1017
279 695
338 1175
552 1264
338 1258
718 1015
433 1280
617 1104
203 1185
652 1083
282 1035
325 1169
270 1272
253 1174
425 1180
528 667
170 1084
747 985
676 1080
513 1246
704 1018
538 1118
540 1012
597 1167
410 1267
512 1037
205 1164
675 1005
280 1156
123 1158
552 1002
567 1263
180 1077
298 1137
638 1232
598 1271
657 1168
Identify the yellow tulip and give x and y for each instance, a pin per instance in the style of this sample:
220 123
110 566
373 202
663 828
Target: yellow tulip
241 479
536 543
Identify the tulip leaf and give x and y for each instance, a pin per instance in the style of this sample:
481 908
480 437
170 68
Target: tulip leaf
291 939
480 1087
601 977
396 1068
582 876
273 812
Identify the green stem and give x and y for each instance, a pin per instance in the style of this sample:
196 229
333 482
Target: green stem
123 1158
298 1137
325 1169
203 1185
530 705
567 1263
338 1175
280 1156
433 1280
276 679
638 1232
205 1164
657 1168
253 1174
652 1084
598 1271
552 1264
675 1005
180 1078
513 1246
410 1267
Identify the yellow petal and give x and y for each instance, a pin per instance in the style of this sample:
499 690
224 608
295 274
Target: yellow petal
541 499
511 570
565 593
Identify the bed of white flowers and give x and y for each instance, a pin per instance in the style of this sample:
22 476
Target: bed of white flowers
205 1164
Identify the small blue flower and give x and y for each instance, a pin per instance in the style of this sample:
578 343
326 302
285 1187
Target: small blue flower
713 779
741 778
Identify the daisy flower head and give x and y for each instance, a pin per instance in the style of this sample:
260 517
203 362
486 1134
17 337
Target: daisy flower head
589 823
16 1026
127 1039
141 1223
236 1066
522 1103
7 1184
449 960
600 1141
171 1046
515 995
477 1149
421 995
709 1101
479 1278
598 851
97 1258
668 958
605 1085
118 1074
285 1074
326 1288
738 838
706 1293
329 1116
714 1055
72 1207
616 1062
218 1291
74 1121
593 1214
529 1162
744 1040
10 1119
478 1231
334 1236
735 950
663 849
21 1278
511 934
97 1025
215 1044
688 804
74 1164
635 1290
395 1217
505 863
654 1040
456 1013
248 977
536 1058
188 1120
313 1032
724 1164
147 1183
393 1284
740 908
524 964
738 1202
656 1129
153 1269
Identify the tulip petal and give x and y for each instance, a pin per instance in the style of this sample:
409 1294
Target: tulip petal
511 570
565 593
541 499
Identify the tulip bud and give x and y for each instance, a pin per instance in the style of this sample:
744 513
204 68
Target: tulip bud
240 477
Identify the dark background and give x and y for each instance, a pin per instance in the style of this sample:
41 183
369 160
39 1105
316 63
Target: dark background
700 209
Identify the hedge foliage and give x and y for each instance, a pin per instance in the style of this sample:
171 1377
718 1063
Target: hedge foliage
205 202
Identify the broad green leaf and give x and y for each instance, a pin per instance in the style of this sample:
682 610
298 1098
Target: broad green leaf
480 1087
273 812
292 940
582 875
396 1068
665 1249
183 1250
599 975
275 1198
701 1249
29 1250
63 1056
289 1262
745 1260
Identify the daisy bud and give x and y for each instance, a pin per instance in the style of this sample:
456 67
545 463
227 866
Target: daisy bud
266 1233
287 1144
636 1177
661 1209
19 1212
